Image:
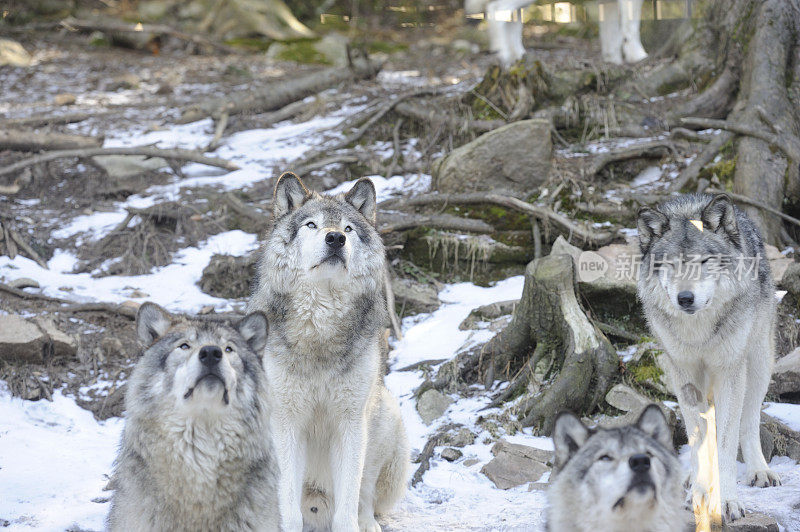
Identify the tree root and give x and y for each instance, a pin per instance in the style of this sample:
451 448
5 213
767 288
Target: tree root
23 140
690 173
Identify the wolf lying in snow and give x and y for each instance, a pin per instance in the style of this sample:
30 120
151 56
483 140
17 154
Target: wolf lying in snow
710 301
196 453
615 480
619 28
338 431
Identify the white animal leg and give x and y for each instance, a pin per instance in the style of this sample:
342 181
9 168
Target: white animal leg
728 399
291 450
505 29
630 20
758 376
366 503
610 32
495 27
347 464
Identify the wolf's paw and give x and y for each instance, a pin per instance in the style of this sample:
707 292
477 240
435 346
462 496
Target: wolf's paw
732 510
763 479
368 524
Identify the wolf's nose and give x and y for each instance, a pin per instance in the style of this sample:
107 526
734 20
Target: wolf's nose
335 239
210 355
640 463
685 299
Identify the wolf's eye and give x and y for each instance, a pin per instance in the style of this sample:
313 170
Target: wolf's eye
348 229
184 346
311 225
228 349
605 458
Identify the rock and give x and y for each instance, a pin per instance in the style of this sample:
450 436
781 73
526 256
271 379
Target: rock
229 277
786 374
12 53
515 464
64 99
431 405
791 279
126 81
488 312
415 297
62 344
627 399
465 46
778 263
112 347
469 462
451 455
23 282
462 438
753 522
513 159
777 439
121 167
33 341
334 47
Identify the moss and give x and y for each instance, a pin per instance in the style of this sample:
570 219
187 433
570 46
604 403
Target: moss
302 51
724 170
250 43
645 374
498 217
385 47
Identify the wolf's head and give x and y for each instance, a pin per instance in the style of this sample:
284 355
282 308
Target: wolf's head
693 262
195 368
324 239
620 472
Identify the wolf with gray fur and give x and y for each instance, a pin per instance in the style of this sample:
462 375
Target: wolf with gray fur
615 480
338 432
196 452
709 299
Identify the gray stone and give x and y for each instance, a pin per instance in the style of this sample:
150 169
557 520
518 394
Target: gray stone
754 522
416 297
469 462
514 159
462 438
790 280
229 277
334 47
33 341
451 455
12 53
627 399
431 405
777 439
121 167
23 282
515 464
488 312
786 374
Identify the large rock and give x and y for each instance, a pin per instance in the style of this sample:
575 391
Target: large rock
753 523
122 167
514 158
229 277
33 341
777 439
515 464
415 297
431 405
786 375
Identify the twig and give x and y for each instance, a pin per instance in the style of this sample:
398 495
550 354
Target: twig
50 120
616 331
174 153
653 148
473 198
219 130
26 248
345 158
438 221
427 452
691 172
397 149
240 208
788 144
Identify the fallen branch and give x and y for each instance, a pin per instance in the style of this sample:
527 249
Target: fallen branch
387 283
25 140
279 93
158 29
431 116
427 452
477 198
764 207
691 172
788 144
50 120
174 153
446 222
655 148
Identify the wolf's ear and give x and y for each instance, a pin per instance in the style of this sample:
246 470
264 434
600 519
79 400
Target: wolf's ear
152 322
253 329
651 225
363 197
720 217
569 433
289 194
653 423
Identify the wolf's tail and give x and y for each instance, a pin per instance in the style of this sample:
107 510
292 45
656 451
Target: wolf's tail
317 510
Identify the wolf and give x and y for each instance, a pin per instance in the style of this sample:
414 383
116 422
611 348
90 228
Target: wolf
196 452
708 297
619 28
338 432
615 480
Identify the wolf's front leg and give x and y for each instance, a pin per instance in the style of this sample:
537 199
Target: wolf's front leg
347 463
728 399
291 449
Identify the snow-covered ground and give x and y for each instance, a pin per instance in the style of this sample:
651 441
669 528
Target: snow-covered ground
55 457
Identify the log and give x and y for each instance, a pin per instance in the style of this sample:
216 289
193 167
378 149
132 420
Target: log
279 93
26 140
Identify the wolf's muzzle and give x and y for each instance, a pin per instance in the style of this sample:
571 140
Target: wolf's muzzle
335 239
686 299
210 355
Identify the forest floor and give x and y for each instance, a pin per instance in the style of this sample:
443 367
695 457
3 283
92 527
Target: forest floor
55 454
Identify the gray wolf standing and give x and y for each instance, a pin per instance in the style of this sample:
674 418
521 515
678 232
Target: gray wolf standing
709 299
338 431
615 480
196 453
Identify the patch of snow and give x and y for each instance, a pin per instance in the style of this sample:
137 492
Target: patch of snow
97 225
785 412
647 176
386 188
